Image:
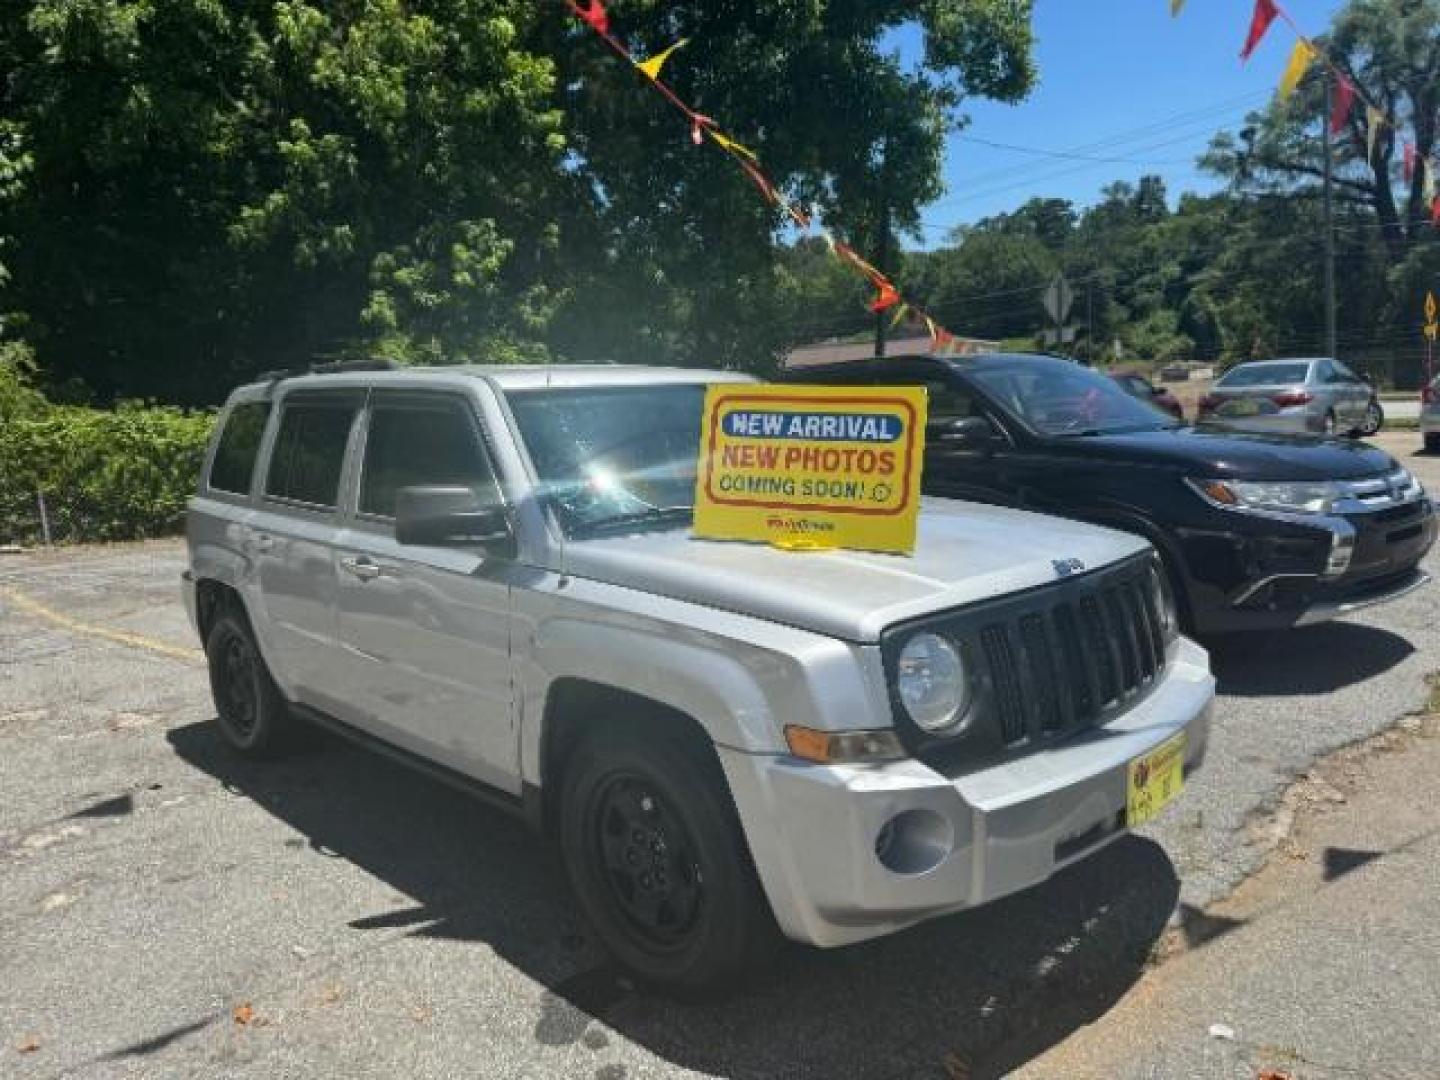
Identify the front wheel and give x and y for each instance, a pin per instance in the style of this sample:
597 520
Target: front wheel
658 863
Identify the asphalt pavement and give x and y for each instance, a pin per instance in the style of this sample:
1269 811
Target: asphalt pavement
167 910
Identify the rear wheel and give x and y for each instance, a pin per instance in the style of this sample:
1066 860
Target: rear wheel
1369 423
658 862
250 712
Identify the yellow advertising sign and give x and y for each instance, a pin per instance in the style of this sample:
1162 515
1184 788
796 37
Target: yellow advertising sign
811 466
1431 308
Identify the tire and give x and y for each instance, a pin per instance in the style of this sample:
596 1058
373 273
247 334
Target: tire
1373 422
250 712
1432 443
658 863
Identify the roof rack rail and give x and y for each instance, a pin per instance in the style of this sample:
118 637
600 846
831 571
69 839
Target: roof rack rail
329 367
339 367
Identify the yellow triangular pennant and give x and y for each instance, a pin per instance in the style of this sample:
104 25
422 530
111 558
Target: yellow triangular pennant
733 146
900 313
652 66
1301 57
1175 7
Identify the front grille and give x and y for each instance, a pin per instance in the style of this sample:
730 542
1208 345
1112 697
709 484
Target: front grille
1053 660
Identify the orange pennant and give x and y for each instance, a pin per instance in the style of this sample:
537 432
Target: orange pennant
652 66
887 298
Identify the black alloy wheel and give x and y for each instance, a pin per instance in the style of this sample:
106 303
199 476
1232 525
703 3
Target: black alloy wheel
647 858
657 859
250 712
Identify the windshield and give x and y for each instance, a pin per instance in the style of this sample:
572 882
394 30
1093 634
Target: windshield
1058 398
1265 374
613 455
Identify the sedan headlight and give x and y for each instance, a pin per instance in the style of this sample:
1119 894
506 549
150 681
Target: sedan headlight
934 684
1293 497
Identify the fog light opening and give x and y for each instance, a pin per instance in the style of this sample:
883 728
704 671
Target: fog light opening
914 842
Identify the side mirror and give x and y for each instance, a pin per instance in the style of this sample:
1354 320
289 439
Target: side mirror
962 433
443 514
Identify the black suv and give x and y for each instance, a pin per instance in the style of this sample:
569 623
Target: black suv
1258 531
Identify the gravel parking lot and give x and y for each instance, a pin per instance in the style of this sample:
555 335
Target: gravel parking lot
169 910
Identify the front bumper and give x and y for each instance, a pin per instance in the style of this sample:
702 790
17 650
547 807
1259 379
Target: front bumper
1261 571
989 832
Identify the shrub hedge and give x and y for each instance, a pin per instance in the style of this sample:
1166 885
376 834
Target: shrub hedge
106 475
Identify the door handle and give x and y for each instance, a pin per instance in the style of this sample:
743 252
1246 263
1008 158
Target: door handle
362 567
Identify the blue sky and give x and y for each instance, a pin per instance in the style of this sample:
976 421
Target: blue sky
1118 79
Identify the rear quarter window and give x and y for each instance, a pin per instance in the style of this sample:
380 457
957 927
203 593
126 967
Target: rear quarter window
239 445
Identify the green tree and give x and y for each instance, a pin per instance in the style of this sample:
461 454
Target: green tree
193 190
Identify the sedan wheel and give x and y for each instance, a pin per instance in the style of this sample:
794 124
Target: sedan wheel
1374 418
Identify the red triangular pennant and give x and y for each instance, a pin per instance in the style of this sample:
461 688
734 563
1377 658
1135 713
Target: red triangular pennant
1265 12
593 14
1344 99
1435 211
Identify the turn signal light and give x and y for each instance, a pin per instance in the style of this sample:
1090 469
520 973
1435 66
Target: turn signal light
1220 492
829 747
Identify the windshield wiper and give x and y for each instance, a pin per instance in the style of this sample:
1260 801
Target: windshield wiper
649 515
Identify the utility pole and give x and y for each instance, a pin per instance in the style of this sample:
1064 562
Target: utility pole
1330 333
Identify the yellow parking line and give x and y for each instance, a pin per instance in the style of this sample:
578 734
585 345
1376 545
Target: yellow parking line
119 637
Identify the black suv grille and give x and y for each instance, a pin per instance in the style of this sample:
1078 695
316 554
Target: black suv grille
1048 662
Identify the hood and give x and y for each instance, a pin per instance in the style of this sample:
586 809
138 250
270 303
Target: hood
964 553
1234 455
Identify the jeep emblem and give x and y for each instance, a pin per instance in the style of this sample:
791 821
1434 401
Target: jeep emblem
1066 567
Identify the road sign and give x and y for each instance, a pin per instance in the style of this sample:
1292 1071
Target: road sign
1058 298
1431 308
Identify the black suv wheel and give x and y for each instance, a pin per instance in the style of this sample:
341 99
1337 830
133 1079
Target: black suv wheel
251 714
658 863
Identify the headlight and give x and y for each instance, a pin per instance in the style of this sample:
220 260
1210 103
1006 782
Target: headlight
1164 600
1294 497
933 684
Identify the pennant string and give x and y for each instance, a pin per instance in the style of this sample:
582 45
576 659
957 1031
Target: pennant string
594 15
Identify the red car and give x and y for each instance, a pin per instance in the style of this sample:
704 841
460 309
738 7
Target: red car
1135 383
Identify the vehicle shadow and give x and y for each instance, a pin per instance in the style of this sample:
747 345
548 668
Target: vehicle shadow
974 995
1308 660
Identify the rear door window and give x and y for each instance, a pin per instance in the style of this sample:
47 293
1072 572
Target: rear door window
239 445
309 454
419 440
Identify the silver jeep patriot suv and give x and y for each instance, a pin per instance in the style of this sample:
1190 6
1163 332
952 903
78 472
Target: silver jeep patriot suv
489 572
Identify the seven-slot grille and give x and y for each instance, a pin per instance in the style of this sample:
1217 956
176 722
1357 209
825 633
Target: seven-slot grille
1058 667
1055 659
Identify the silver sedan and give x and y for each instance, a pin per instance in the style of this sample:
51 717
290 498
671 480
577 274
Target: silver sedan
1317 395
